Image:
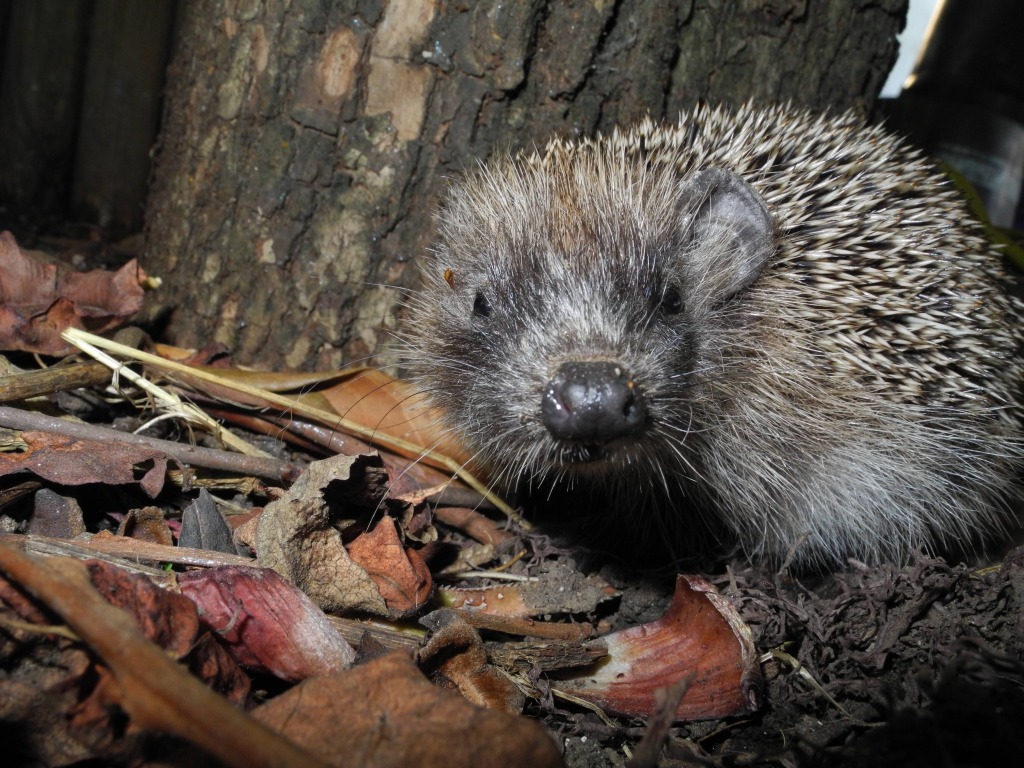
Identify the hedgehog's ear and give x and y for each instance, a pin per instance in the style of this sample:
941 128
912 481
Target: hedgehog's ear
727 229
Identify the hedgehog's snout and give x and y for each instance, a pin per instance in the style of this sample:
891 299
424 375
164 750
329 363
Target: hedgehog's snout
592 402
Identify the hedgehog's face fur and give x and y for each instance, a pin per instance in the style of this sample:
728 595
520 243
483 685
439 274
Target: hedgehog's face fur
580 258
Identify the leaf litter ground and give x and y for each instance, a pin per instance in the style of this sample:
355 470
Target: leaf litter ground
918 665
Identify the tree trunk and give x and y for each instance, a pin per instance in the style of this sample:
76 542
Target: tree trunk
306 143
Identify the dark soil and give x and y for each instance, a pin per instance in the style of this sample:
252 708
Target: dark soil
883 666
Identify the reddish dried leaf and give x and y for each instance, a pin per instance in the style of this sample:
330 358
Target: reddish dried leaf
172 622
70 705
26 281
364 396
166 618
153 689
38 301
75 461
266 623
700 634
385 714
400 574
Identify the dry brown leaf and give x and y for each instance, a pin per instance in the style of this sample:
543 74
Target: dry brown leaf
395 408
38 300
55 515
296 537
172 622
70 704
368 404
700 634
363 396
456 658
77 461
385 714
266 623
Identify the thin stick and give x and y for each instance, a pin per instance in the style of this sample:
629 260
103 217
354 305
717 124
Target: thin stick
188 455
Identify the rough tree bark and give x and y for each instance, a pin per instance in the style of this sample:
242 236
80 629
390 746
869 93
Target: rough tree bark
306 143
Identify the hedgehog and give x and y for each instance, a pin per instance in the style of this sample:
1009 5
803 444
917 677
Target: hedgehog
783 322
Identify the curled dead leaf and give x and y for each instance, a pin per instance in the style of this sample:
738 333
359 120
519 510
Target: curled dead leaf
456 657
297 537
154 690
393 407
701 635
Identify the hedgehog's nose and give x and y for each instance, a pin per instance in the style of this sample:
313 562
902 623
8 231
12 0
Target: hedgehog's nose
592 402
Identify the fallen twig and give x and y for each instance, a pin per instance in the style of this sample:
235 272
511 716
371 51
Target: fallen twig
211 458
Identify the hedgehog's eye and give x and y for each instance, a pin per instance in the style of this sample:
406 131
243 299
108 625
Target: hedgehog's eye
481 306
671 301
